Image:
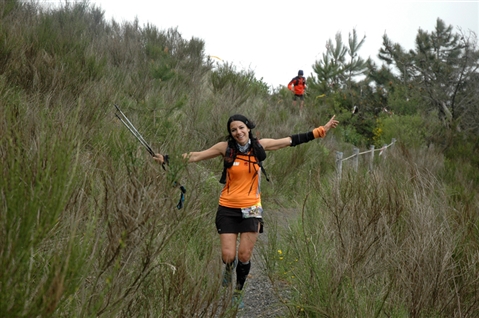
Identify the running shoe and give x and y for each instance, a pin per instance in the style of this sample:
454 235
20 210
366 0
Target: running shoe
238 299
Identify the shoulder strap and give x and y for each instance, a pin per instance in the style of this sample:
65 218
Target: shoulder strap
230 156
260 155
228 159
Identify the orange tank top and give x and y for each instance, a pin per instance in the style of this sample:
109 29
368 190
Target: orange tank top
242 188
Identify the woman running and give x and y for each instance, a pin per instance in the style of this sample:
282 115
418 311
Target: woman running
240 211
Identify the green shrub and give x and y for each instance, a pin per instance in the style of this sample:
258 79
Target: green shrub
409 130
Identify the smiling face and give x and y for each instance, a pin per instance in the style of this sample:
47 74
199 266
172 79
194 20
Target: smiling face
240 132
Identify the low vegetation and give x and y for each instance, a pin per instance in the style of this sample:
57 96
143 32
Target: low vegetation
89 224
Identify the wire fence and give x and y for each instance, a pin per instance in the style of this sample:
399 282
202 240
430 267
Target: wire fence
355 157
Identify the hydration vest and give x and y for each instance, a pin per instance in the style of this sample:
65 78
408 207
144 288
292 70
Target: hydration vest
230 155
298 81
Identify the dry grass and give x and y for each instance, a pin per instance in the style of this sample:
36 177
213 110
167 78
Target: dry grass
379 243
89 224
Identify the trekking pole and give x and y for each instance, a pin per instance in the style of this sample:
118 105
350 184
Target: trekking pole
122 117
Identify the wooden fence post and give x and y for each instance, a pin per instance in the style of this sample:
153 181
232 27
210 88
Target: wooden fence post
356 158
371 160
385 147
339 163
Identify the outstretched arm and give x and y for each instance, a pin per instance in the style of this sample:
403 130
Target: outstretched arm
294 140
215 151
195 156
275 144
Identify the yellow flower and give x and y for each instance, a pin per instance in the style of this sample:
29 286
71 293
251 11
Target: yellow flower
280 252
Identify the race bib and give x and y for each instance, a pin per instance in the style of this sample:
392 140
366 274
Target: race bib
255 211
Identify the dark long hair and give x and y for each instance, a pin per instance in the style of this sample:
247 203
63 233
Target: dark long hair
246 121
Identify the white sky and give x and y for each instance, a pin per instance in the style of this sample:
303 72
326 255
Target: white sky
276 38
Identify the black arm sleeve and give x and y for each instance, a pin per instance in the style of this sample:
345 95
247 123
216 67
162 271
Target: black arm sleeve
301 138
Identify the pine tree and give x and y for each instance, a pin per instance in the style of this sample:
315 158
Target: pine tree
443 66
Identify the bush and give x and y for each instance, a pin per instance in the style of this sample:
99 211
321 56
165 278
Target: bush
409 130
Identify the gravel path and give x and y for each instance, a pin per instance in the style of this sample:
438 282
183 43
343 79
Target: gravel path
260 297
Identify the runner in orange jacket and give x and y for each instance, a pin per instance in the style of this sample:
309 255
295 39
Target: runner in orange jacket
298 85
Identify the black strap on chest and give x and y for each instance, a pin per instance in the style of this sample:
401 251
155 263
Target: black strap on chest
230 156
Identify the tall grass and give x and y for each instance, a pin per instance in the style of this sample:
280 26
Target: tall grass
380 243
89 223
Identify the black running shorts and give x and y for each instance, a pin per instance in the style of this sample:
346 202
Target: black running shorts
230 220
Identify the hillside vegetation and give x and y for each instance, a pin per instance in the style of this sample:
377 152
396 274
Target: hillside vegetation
89 224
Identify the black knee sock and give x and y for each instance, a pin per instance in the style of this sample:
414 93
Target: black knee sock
242 271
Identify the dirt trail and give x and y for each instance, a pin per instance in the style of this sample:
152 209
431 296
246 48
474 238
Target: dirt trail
260 297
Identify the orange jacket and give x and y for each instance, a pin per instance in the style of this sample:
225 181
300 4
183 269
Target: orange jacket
299 84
